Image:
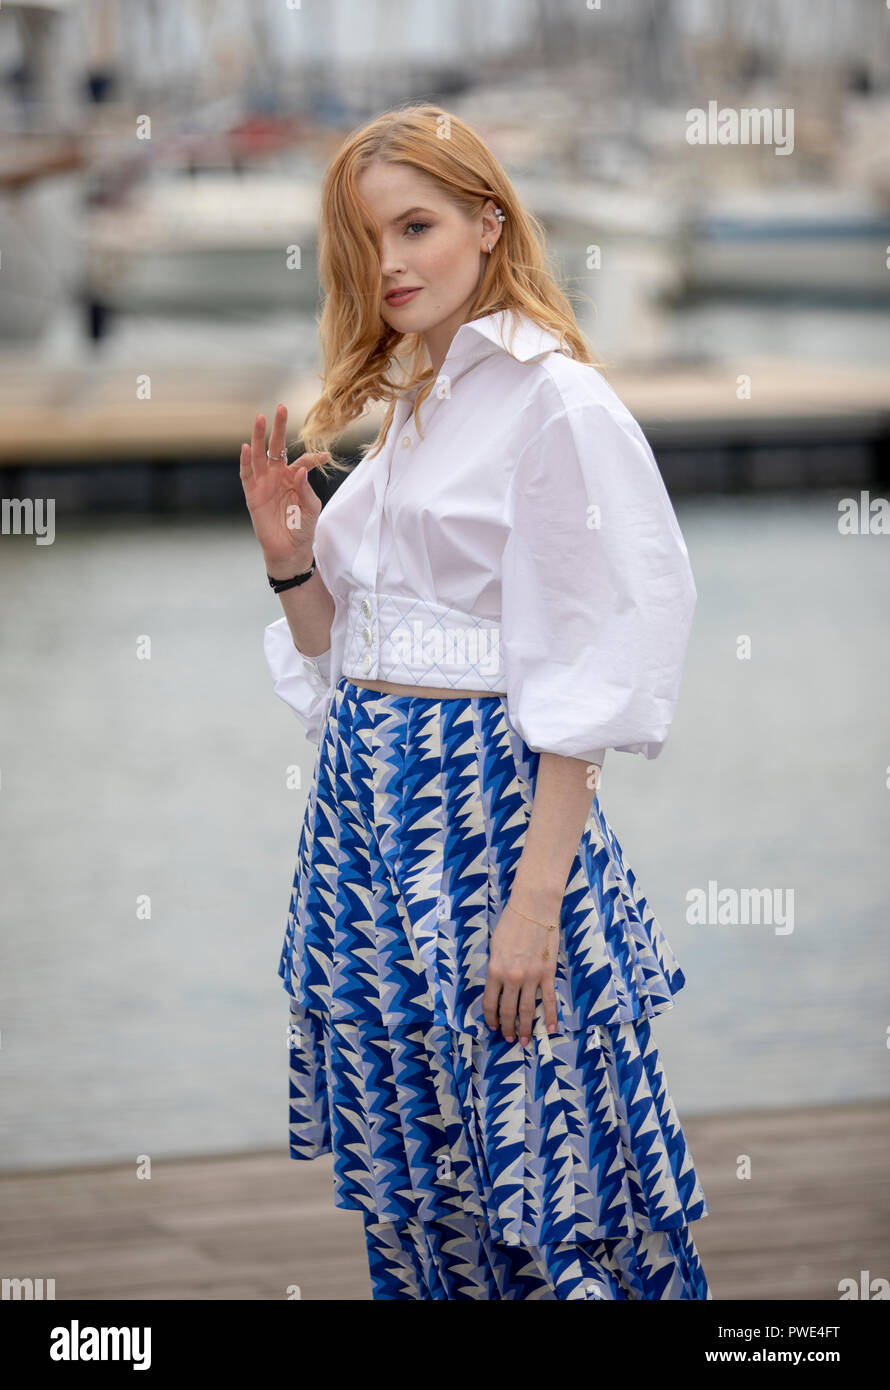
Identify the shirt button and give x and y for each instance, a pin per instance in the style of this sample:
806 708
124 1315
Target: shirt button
366 663
368 636
442 908
406 441
366 608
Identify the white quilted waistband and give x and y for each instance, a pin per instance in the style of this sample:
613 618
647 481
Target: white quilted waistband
412 642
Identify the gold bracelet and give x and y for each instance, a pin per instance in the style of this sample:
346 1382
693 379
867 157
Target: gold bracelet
551 926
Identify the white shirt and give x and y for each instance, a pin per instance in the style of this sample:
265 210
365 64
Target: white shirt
525 543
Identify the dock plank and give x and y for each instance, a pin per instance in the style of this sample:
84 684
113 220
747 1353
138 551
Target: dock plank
248 1226
91 413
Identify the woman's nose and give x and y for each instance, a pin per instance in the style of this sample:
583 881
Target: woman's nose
391 263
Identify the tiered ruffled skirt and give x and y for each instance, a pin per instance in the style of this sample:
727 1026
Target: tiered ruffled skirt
483 1170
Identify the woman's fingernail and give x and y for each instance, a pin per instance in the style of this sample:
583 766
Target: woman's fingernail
551 1027
524 1042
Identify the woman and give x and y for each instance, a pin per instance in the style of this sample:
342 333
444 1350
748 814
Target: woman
497 593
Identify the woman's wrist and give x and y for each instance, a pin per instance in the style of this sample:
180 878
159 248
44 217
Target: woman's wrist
540 900
286 566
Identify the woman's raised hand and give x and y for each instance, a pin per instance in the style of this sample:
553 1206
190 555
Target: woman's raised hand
283 506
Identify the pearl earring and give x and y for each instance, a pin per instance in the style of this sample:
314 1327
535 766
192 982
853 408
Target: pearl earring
499 214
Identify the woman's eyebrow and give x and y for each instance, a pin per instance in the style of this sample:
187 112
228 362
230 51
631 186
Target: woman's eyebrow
410 213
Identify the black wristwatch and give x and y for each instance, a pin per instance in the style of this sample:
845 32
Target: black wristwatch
279 585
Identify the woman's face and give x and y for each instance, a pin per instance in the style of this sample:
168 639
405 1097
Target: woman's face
428 246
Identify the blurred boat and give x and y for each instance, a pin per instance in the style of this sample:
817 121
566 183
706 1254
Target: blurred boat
219 242
618 251
825 242
40 162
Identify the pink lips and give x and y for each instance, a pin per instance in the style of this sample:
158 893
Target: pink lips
397 297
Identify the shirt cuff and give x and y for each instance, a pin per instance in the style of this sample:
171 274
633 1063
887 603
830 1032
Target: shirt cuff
322 663
302 681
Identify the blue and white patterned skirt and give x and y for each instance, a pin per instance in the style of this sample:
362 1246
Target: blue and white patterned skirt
483 1169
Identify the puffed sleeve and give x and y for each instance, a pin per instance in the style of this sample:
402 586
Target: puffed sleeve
597 589
303 682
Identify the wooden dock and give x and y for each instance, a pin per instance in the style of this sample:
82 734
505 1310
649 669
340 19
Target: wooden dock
814 1211
805 425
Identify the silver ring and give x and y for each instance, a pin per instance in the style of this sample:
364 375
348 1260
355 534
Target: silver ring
278 457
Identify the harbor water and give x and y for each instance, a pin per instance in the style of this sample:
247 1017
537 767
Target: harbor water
151 808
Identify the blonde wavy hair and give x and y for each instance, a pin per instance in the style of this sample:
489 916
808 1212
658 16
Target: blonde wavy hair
359 348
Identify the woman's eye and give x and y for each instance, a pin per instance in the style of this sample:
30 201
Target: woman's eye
422 225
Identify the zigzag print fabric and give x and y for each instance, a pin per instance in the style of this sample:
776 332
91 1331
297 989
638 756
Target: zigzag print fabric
483 1170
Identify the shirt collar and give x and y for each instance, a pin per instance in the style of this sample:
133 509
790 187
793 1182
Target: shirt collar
529 340
482 337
